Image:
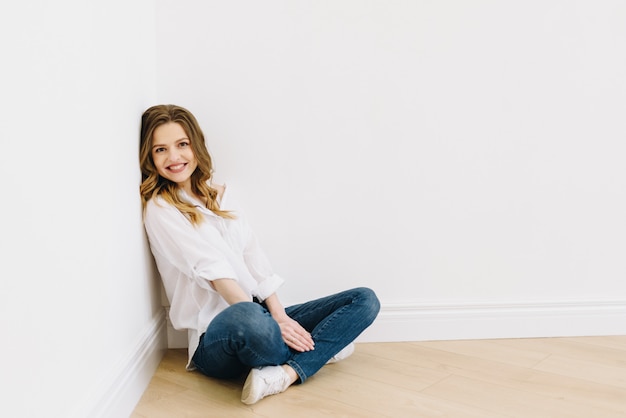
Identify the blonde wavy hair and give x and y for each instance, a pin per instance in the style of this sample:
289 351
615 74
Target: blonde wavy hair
152 184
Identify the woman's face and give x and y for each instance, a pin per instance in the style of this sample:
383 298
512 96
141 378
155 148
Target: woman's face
172 154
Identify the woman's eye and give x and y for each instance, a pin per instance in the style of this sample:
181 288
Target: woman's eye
184 144
157 150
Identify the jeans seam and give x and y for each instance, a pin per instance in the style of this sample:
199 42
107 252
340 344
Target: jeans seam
296 367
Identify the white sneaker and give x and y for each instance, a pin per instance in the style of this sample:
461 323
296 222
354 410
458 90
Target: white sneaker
264 382
343 354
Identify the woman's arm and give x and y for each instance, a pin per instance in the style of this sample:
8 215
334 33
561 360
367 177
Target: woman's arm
230 290
294 335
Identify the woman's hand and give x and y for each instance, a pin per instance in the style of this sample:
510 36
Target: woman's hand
294 335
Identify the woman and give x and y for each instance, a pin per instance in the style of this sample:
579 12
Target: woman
219 283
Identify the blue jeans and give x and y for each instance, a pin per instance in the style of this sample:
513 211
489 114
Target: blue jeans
245 335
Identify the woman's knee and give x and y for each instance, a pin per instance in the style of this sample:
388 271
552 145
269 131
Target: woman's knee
368 299
238 312
248 321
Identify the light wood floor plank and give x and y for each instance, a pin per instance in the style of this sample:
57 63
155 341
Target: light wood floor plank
553 377
392 372
490 350
390 400
511 402
575 350
611 341
592 370
575 390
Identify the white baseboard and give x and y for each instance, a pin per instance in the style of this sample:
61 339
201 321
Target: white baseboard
423 322
463 321
119 393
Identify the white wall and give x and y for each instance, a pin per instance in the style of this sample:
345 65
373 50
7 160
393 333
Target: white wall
461 158
80 315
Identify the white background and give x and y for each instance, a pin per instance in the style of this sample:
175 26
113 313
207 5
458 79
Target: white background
434 151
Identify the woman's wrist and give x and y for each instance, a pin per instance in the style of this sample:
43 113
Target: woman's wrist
277 310
279 315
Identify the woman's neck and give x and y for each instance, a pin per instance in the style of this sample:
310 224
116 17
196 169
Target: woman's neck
189 192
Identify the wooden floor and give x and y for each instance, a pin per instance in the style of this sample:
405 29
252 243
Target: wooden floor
531 378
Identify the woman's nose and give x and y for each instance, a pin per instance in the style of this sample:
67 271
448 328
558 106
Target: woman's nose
173 155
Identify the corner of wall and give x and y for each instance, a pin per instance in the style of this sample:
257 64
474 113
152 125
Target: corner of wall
119 393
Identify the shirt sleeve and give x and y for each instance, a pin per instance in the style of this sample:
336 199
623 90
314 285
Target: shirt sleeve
174 238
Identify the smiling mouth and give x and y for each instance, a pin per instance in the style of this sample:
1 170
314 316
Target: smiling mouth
177 168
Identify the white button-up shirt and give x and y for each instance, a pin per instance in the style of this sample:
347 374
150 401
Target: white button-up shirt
189 257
